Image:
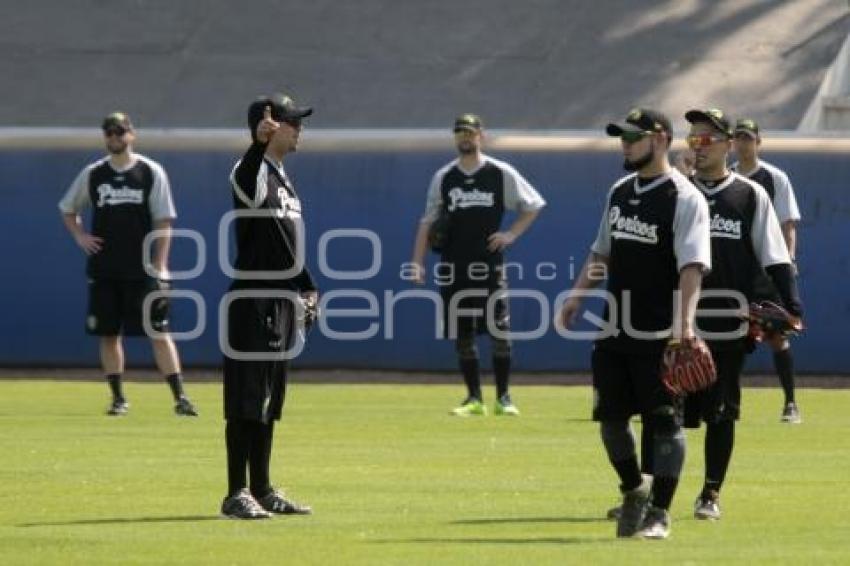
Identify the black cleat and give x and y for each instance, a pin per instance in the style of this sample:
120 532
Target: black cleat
118 408
275 502
633 509
791 414
185 408
243 506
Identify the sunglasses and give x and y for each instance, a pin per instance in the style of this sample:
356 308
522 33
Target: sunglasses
109 132
703 140
634 137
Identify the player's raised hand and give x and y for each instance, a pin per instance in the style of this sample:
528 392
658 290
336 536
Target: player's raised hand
89 244
267 126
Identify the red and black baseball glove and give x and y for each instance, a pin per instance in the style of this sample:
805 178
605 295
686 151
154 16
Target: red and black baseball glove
767 319
687 366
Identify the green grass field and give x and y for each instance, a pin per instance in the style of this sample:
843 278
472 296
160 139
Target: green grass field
394 480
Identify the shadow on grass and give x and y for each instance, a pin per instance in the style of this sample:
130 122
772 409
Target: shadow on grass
509 520
498 540
123 520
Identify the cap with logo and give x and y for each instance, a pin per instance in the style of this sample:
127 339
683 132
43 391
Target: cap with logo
641 120
469 122
713 117
117 120
283 108
747 126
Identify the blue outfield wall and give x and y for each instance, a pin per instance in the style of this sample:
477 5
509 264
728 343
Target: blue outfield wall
44 290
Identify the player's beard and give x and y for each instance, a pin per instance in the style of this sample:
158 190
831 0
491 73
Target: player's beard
466 148
118 148
640 162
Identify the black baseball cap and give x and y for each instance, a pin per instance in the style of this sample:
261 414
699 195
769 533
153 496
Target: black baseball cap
747 126
282 106
641 120
117 120
468 122
712 116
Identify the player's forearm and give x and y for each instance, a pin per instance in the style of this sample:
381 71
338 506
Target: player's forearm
690 283
162 245
246 172
73 224
789 232
420 245
782 275
523 221
593 272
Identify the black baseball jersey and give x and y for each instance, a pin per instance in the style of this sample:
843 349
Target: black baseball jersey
651 229
475 202
125 205
778 187
266 244
745 238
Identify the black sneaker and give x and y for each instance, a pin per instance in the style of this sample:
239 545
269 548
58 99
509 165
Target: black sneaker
791 414
633 509
275 502
614 513
656 524
118 408
708 508
243 506
185 408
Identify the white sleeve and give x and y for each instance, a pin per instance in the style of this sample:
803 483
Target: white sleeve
161 203
519 194
602 244
784 200
691 233
766 235
434 200
77 197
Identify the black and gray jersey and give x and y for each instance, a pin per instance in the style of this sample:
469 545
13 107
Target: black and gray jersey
745 239
267 243
649 231
778 186
125 203
475 202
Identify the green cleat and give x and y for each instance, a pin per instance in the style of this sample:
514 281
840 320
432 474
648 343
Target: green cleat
471 406
504 406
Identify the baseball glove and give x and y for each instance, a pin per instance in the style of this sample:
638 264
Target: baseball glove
687 367
767 318
438 233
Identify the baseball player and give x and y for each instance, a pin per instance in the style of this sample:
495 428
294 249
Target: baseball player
473 192
653 240
745 238
130 196
746 144
266 244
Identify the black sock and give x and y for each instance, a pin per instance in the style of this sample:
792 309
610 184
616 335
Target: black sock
175 382
502 374
663 489
237 436
719 440
784 363
114 380
260 458
629 473
647 447
471 376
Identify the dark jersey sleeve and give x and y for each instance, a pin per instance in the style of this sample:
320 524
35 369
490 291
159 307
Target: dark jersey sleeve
246 172
782 276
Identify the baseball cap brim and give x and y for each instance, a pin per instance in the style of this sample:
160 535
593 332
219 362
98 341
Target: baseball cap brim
746 131
698 116
616 130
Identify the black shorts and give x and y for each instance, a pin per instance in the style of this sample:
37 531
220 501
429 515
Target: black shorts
626 384
255 390
722 401
477 324
115 307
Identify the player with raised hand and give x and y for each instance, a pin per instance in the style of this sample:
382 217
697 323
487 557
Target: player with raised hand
653 246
